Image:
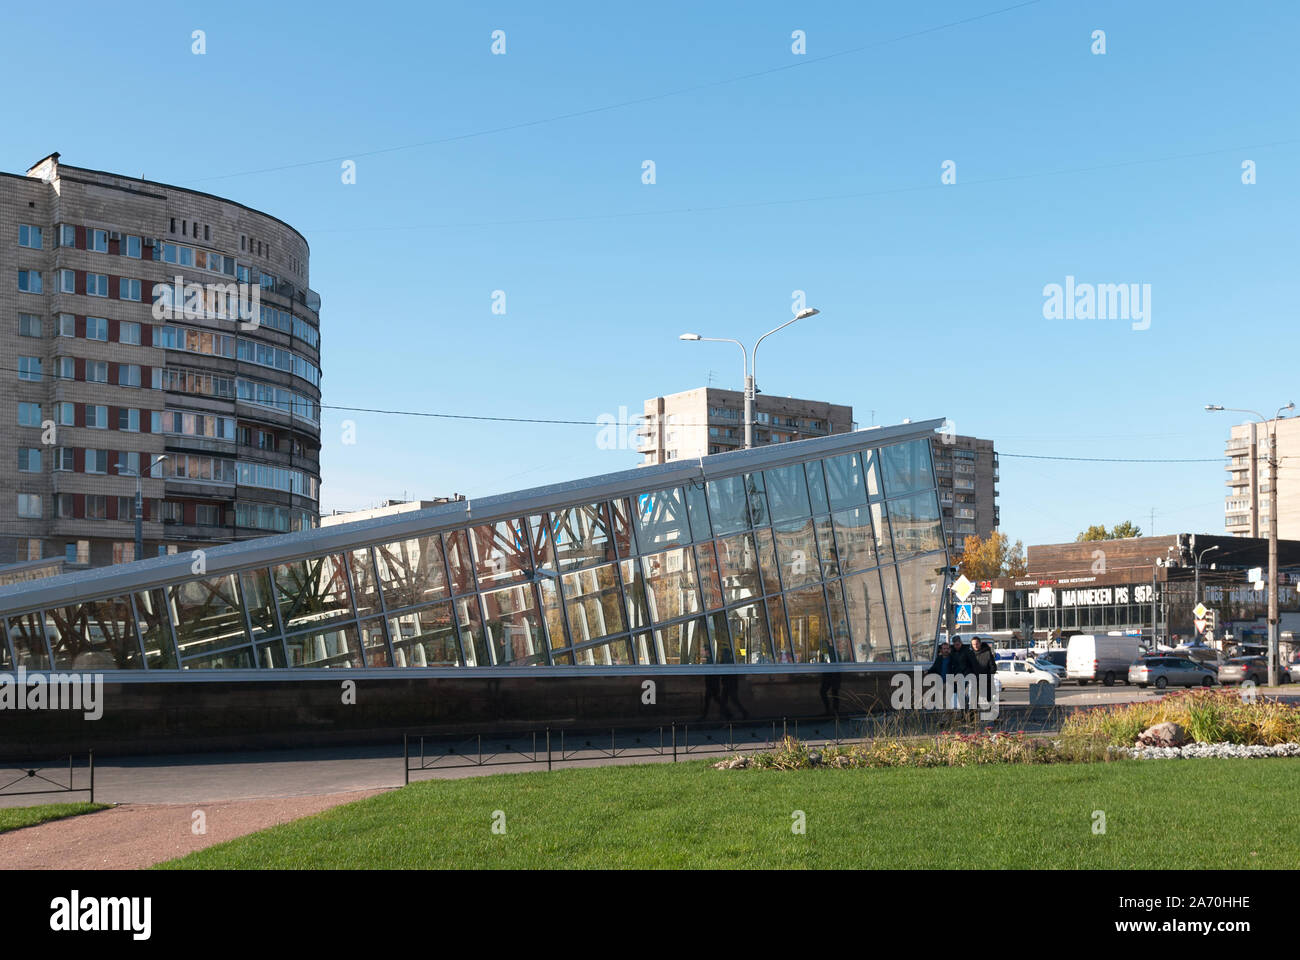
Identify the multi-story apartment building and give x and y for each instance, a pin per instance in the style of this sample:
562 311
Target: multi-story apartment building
696 423
967 472
210 393
1246 506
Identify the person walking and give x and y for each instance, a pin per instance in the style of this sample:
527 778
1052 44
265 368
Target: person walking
963 666
942 668
984 666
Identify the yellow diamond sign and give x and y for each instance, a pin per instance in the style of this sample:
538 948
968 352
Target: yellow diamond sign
962 587
1200 611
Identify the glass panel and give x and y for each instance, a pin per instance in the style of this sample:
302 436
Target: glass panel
311 592
365 585
748 626
543 540
844 481
206 614
240 659
425 638
670 589
706 560
698 510
871 468
151 606
780 635
592 600
922 582
270 656
411 572
513 627
325 648
661 519
27 634
643 648
916 525
259 599
817 487
854 539
552 614
757 499
723 652
894 609
729 505
787 493
880 523
866 610
582 536
99 635
826 547
374 645
796 549
906 467
620 514
810 634
683 642
501 553
767 561
472 643
459 562
839 624
634 593
739 567
612 654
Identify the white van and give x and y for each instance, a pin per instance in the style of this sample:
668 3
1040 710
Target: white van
1101 658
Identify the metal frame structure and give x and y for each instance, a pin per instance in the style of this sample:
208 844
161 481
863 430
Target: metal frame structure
327 598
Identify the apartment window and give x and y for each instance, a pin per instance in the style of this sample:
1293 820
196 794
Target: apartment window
33 549
96 328
128 331
96 507
265 440
155 417
207 515
97 240
29 236
243 243
185 225
173 226
29 506
126 508
97 416
132 246
66 414
67 235
97 371
97 461
128 375
68 281
29 368
78 552
29 281
207 232
29 414
67 325
128 419
29 460
64 460
128 462
67 368
123 552
96 285
244 436
29 325
128 289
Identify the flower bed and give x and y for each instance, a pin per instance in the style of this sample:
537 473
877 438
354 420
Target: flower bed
1208 716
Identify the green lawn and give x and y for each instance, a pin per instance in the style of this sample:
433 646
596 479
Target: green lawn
11 818
1159 814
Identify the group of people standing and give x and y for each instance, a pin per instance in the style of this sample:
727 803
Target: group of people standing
966 666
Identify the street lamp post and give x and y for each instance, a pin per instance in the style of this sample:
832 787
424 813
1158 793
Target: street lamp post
750 361
1273 674
139 506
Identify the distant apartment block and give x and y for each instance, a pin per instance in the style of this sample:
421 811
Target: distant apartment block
967 473
696 423
1245 508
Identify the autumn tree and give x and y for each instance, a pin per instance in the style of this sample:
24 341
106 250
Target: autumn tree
995 557
1120 531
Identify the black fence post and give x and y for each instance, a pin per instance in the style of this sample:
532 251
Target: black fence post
406 759
674 742
548 748
92 776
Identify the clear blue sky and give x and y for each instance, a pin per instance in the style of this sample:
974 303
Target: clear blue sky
1114 169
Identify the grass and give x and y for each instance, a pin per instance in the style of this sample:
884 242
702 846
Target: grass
1177 814
13 818
1208 716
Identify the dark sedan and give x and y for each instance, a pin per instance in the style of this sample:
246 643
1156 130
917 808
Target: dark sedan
1254 669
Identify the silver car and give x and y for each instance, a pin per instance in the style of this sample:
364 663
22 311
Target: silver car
1163 671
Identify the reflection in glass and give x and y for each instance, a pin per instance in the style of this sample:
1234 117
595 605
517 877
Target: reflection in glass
592 602
706 560
841 637
729 505
155 632
894 609
552 614
500 553
748 626
643 648
425 638
374 644
459 562
698 510
634 594
826 547
661 519
310 592
325 648
723 652
207 614
98 635
916 525
259 598
880 522
922 581
844 483
620 513
787 492
738 564
757 500
817 487
670 589
809 630
866 611
611 654
857 547
470 621
906 467
582 536
512 626
365 583
683 642
767 561
411 572
777 628
240 659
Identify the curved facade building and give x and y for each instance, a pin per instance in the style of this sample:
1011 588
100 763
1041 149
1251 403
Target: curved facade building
146 324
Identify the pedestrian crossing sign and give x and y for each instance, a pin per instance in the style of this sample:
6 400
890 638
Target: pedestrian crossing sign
965 614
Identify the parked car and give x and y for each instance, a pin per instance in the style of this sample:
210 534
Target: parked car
1164 671
1100 657
1024 673
1055 656
1042 663
1254 669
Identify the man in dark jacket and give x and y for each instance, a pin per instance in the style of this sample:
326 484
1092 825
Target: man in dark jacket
985 666
963 665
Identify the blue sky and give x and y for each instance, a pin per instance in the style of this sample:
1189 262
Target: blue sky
811 174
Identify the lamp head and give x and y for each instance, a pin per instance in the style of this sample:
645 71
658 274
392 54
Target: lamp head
689 336
1212 407
806 312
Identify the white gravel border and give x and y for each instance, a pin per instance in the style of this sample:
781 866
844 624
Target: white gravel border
1203 750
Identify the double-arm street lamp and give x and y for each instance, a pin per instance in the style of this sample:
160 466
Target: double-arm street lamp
1196 559
750 360
1271 426
139 506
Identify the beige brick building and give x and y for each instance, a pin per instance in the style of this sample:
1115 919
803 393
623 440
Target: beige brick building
100 384
1246 506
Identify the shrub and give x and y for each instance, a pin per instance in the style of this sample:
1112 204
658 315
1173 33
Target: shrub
1208 716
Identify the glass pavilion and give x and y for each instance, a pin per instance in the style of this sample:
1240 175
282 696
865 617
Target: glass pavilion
822 551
